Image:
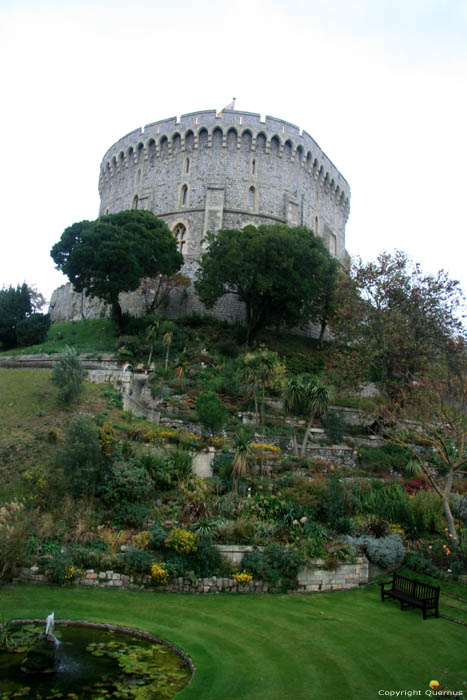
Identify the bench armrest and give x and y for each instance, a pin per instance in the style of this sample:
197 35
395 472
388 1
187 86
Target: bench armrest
384 583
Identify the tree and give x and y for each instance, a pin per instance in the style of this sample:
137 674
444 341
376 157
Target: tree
15 306
436 437
398 319
283 275
263 370
114 253
211 412
306 396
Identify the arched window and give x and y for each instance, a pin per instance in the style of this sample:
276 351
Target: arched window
251 197
135 202
179 233
184 197
253 167
187 165
316 230
138 177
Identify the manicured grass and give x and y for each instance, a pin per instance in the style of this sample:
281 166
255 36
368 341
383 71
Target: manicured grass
94 336
336 646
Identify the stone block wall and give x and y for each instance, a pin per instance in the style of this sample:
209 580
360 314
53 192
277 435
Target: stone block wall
310 580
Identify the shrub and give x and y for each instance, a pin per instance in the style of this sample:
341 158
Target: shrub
33 329
459 507
335 506
334 426
384 459
68 375
181 541
59 568
130 515
205 560
158 537
386 552
126 482
159 574
277 564
243 577
129 345
418 563
211 412
80 455
181 462
228 349
142 539
135 561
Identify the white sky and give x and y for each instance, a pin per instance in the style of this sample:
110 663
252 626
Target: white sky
381 85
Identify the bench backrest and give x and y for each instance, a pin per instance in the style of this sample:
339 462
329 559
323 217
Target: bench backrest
417 589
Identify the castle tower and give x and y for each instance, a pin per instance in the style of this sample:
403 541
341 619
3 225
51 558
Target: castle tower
209 171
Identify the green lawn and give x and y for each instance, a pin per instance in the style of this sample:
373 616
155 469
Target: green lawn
336 646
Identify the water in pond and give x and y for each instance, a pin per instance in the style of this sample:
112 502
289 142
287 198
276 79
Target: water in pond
95 664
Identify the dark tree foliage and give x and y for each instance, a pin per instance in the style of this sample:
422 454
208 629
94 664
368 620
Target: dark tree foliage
15 306
402 322
284 276
114 253
33 329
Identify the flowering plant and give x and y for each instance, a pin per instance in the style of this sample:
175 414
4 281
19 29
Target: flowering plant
159 574
243 577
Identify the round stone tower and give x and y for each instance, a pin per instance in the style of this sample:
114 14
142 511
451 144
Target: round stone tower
208 171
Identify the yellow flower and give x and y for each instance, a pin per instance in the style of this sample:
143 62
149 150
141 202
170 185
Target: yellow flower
434 684
159 574
243 577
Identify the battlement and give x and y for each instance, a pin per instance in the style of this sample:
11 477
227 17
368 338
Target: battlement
280 135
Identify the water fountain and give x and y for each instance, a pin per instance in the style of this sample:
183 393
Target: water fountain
88 658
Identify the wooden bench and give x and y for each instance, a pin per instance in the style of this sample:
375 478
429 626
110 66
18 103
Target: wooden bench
412 593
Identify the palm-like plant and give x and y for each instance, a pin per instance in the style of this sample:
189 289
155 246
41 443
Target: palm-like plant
242 452
168 329
306 396
263 369
152 331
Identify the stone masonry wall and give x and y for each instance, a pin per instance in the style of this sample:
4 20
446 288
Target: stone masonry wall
310 580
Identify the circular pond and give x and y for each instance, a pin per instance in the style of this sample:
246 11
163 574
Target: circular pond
94 662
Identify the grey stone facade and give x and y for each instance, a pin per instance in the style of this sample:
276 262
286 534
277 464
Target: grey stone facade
207 171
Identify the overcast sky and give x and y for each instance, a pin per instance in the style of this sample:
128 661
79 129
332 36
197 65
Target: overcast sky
381 85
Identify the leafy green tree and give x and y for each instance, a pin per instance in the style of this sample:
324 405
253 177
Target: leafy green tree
114 253
33 329
306 396
211 412
68 374
15 306
283 275
396 321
